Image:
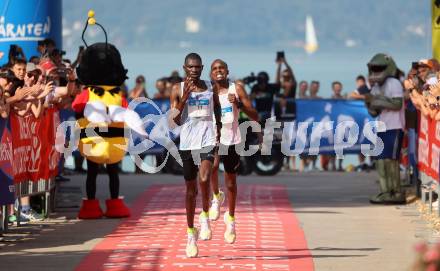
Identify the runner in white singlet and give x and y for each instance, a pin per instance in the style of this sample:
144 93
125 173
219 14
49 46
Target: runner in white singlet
232 97
194 101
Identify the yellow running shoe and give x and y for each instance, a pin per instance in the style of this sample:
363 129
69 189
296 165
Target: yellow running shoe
230 234
214 210
205 227
192 250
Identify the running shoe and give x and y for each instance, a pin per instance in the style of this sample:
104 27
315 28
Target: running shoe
191 246
214 210
230 229
12 218
205 228
32 216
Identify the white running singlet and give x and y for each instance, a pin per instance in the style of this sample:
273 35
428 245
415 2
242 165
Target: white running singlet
198 127
230 132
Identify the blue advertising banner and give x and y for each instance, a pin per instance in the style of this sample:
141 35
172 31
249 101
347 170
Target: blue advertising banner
26 22
6 159
322 126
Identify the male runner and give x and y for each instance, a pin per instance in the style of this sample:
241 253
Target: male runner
232 97
194 101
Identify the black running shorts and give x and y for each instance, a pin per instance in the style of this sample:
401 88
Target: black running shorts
231 160
190 167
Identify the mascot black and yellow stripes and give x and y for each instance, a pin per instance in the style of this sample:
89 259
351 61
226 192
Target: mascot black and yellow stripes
102 116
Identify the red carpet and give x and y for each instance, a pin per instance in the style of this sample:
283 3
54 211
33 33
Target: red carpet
269 236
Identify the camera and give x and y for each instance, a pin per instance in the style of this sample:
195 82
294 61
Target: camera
62 72
250 79
414 65
280 55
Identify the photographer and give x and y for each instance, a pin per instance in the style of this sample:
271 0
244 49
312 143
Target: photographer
262 93
262 89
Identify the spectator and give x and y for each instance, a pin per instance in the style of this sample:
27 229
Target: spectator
14 78
359 94
314 89
41 47
45 47
264 89
35 60
161 86
262 93
337 94
417 80
361 89
15 53
139 89
287 82
175 77
32 102
286 79
303 87
337 90
57 57
19 69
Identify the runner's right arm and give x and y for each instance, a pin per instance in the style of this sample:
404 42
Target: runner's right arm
177 102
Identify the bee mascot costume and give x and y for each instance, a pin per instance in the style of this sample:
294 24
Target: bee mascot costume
386 102
101 116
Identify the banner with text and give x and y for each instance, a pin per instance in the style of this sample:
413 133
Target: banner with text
7 188
326 125
33 144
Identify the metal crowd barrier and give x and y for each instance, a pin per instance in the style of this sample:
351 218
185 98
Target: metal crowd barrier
31 188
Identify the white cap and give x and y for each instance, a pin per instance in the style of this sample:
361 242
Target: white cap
30 67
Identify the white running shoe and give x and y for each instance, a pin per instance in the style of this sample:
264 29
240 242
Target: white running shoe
205 228
214 210
191 246
230 234
32 216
